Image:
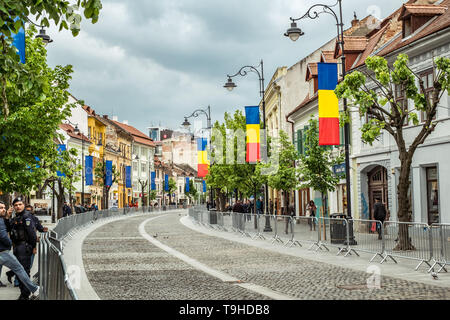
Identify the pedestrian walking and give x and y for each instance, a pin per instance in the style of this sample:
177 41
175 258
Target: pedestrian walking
311 210
23 237
10 261
259 206
379 213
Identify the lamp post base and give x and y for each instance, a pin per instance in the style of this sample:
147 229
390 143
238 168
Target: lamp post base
267 227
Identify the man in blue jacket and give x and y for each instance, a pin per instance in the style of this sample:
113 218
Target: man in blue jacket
10 261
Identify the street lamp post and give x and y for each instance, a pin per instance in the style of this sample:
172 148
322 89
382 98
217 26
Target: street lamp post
186 124
230 85
294 33
46 38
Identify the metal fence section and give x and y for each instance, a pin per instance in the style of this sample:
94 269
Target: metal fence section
334 232
408 240
366 235
305 229
440 235
54 279
54 282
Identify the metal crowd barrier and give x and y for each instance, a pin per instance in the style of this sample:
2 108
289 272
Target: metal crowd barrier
441 246
53 277
429 245
418 244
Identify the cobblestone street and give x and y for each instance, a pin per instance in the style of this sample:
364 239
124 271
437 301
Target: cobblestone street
121 264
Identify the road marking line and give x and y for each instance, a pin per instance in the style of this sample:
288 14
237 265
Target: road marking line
215 273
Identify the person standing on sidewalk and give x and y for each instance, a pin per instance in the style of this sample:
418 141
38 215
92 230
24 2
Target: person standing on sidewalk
23 236
379 213
311 213
10 261
289 214
39 228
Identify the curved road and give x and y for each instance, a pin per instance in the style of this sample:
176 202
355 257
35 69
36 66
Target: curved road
168 261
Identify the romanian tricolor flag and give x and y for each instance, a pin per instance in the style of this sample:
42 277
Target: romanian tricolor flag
203 162
328 105
253 134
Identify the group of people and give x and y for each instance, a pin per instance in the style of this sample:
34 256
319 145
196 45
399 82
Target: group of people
67 210
19 233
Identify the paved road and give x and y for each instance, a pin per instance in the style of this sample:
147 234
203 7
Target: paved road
122 264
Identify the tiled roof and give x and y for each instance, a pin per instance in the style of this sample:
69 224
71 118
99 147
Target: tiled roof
421 10
70 132
439 23
312 71
328 56
138 135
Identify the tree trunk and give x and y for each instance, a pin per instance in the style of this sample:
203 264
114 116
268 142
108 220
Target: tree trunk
404 241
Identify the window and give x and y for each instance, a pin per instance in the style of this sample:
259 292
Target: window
143 152
428 83
143 167
311 88
432 195
135 167
402 100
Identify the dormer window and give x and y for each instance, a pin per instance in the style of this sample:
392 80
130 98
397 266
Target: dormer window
311 77
414 16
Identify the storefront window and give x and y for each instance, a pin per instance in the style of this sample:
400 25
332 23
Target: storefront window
432 195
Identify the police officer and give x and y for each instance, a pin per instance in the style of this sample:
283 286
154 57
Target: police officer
23 236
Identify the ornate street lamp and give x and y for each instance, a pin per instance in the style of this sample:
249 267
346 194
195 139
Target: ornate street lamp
230 85
186 124
294 33
42 34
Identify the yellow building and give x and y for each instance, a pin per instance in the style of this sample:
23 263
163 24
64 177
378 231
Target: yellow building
97 136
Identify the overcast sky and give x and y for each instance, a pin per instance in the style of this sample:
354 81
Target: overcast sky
152 62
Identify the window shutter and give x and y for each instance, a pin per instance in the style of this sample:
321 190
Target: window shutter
304 148
342 136
300 141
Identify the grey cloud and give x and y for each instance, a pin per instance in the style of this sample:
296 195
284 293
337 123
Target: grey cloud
156 61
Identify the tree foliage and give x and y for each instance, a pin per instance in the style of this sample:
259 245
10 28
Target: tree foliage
192 193
37 103
381 104
316 163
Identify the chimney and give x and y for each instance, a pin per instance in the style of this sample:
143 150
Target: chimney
105 116
355 20
115 118
125 122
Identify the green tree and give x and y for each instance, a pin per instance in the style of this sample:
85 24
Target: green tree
152 195
64 162
33 96
386 113
143 184
192 193
100 180
316 164
172 188
36 99
285 178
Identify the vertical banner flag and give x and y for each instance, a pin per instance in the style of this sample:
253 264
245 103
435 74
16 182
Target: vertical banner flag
202 166
128 177
187 184
204 186
19 42
109 177
166 182
153 183
328 105
61 148
89 163
253 134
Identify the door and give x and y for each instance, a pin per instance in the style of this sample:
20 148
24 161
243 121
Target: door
378 187
303 199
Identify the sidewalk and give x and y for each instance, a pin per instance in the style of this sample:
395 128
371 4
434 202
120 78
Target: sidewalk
10 292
